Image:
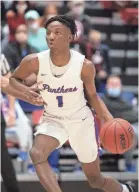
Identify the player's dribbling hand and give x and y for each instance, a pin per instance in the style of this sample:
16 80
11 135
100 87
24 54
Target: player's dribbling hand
35 87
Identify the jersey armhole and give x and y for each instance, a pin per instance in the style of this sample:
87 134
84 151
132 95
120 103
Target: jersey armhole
42 56
38 55
81 66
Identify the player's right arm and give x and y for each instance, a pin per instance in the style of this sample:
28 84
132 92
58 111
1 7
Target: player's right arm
29 65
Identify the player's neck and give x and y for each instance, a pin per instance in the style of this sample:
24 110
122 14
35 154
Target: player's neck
60 58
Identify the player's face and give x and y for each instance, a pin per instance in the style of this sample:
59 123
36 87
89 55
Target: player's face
58 36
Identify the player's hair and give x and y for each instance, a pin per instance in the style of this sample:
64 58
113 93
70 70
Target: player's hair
66 20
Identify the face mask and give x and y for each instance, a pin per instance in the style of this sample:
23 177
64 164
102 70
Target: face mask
21 37
114 92
50 16
33 26
21 7
79 10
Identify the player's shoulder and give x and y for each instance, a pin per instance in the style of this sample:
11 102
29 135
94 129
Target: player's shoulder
88 68
30 57
31 62
88 65
34 56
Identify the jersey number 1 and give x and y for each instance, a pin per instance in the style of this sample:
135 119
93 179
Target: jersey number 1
60 101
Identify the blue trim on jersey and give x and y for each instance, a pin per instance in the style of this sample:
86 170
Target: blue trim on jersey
97 133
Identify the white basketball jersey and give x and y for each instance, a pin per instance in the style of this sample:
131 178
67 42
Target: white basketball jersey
64 95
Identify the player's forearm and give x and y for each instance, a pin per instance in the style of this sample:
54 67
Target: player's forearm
100 108
14 93
18 85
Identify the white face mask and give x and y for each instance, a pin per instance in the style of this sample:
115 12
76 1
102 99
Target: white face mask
34 26
50 16
21 7
78 10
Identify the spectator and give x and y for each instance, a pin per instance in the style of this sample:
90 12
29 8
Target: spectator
79 36
19 48
98 53
49 11
36 34
3 13
82 21
120 108
22 130
44 3
15 120
124 4
77 9
7 170
14 52
15 16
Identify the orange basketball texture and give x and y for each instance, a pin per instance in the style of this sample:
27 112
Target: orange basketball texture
117 136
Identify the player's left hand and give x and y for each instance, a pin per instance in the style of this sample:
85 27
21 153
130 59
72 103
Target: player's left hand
38 100
35 87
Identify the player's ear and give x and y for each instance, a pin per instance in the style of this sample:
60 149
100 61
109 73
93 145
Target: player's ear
70 38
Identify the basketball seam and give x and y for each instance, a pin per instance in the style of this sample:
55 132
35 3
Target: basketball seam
106 130
115 138
125 132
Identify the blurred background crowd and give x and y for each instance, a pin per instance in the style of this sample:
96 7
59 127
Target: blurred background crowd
108 36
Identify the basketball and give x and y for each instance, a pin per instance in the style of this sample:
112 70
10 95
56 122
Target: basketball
117 136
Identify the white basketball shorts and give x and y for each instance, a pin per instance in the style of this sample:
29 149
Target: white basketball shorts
79 129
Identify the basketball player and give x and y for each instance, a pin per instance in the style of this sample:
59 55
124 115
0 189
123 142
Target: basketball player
65 75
